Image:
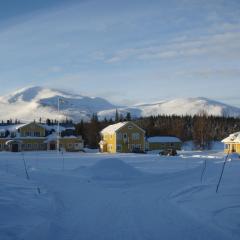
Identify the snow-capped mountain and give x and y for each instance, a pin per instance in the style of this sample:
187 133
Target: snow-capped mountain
179 106
38 102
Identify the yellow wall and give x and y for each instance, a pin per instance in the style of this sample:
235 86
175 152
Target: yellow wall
33 144
32 128
32 138
110 139
69 143
2 144
238 148
232 147
117 139
128 145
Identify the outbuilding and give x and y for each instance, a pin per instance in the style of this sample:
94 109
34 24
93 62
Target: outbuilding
163 142
232 143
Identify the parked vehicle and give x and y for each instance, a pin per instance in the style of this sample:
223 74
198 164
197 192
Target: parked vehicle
137 150
168 152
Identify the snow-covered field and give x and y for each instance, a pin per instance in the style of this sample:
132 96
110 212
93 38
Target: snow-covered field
125 196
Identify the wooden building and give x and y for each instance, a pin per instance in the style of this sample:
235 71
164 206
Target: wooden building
232 143
123 137
38 137
163 142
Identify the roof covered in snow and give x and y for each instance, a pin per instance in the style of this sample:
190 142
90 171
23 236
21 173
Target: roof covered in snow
163 139
114 127
15 127
55 127
234 137
11 127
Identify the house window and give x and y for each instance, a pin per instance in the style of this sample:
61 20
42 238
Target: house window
119 136
36 134
130 127
119 147
2 134
27 134
109 147
135 136
226 146
105 137
13 134
125 138
136 146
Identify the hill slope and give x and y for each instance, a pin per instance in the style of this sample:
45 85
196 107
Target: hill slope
180 106
37 102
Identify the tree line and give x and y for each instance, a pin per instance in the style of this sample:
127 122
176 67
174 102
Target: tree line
201 129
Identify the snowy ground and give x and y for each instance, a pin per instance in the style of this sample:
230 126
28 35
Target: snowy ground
125 196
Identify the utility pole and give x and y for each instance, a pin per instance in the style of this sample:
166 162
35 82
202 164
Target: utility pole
58 128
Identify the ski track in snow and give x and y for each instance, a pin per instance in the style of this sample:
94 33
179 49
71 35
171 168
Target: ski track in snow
164 200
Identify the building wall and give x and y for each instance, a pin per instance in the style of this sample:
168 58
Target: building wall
32 137
71 144
124 140
33 130
232 147
2 144
33 144
129 138
110 140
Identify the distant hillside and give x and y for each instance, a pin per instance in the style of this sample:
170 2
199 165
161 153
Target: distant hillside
38 102
35 102
180 106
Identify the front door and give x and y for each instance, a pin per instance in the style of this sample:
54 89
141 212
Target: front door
52 146
233 148
15 147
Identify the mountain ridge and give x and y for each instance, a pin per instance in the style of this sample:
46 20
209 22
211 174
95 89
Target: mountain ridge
36 102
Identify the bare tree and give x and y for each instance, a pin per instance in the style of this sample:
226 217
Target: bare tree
201 131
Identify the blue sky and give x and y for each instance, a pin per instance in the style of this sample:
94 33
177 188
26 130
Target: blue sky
126 51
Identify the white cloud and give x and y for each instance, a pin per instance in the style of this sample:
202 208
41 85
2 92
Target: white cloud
220 44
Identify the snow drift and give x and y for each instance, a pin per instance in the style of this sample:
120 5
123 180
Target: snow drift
110 169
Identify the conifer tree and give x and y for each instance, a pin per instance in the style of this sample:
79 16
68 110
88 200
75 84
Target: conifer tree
116 116
128 116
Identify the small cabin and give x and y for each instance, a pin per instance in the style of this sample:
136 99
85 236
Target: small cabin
232 143
163 142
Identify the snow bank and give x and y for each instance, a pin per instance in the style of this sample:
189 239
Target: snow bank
22 208
215 145
233 156
113 169
165 195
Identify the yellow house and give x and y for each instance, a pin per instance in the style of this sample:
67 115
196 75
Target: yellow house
232 143
123 137
38 137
